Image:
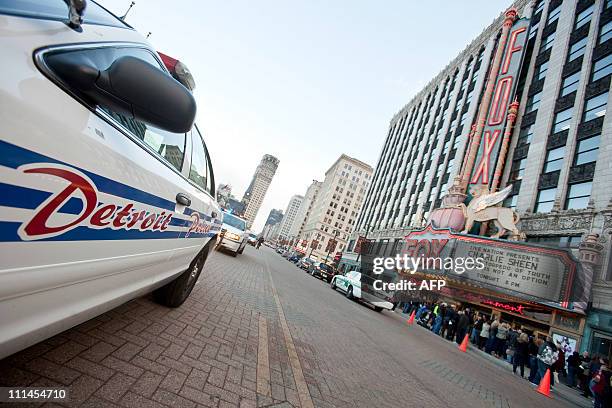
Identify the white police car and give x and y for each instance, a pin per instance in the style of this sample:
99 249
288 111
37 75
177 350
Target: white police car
105 185
352 284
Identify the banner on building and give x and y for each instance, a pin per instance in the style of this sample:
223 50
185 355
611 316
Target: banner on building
503 94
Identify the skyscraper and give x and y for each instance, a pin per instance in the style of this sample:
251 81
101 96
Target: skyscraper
305 208
254 195
290 216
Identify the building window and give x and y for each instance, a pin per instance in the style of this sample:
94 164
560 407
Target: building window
546 200
587 150
553 15
541 74
571 241
584 17
511 201
539 7
562 120
525 135
577 49
578 196
518 169
602 68
533 102
570 84
534 30
547 42
595 107
554 159
605 32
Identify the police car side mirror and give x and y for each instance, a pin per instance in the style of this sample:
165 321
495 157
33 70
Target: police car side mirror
132 87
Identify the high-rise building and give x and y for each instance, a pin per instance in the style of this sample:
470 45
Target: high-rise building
336 207
272 225
554 151
305 209
290 214
254 195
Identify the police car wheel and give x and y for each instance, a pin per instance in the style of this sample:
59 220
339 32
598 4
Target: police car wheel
378 309
174 293
241 250
349 292
333 284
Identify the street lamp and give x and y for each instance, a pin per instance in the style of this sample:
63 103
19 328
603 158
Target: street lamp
365 238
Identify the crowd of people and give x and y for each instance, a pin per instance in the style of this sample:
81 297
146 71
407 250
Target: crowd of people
590 374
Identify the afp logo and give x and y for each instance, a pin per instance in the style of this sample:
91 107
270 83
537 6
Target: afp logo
47 221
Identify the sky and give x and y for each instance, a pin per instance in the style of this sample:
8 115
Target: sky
304 80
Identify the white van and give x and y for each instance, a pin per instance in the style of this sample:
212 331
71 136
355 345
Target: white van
106 187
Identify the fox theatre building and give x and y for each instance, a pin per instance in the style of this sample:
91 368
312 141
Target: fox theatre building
504 156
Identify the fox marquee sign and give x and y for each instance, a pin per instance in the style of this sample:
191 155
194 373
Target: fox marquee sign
527 272
505 88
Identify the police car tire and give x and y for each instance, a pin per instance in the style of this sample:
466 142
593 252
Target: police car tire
174 293
333 284
241 250
349 292
378 309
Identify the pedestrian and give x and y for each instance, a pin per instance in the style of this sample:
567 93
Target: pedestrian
594 367
260 241
573 365
547 356
534 345
559 366
500 340
477 329
600 385
583 372
437 325
521 353
492 336
484 332
512 337
462 326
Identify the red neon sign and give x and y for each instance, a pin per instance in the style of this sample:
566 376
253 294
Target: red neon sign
506 306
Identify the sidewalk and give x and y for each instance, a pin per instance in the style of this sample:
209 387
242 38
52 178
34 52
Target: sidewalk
560 390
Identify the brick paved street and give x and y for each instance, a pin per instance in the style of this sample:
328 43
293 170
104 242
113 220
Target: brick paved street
258 331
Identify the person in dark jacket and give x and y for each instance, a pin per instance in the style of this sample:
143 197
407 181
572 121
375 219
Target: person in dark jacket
462 326
521 353
573 365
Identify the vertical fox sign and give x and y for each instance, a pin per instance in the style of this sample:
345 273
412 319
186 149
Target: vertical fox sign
503 93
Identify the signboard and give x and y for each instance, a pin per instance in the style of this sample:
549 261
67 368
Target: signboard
505 88
527 272
359 244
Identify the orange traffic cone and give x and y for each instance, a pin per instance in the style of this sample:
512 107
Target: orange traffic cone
411 319
464 344
544 387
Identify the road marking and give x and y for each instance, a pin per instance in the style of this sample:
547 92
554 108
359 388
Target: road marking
296 366
263 359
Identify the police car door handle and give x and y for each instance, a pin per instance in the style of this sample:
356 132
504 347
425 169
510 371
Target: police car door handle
183 199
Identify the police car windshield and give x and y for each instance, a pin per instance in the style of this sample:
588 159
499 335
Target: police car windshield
234 221
58 10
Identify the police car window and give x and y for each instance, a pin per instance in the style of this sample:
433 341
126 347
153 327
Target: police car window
58 10
170 146
198 171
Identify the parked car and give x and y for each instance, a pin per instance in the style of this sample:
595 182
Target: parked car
305 263
351 284
252 239
106 186
295 259
321 270
233 234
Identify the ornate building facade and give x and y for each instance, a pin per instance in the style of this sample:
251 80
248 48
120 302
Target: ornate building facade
558 157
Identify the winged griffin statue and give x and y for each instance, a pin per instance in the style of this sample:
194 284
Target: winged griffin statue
484 207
